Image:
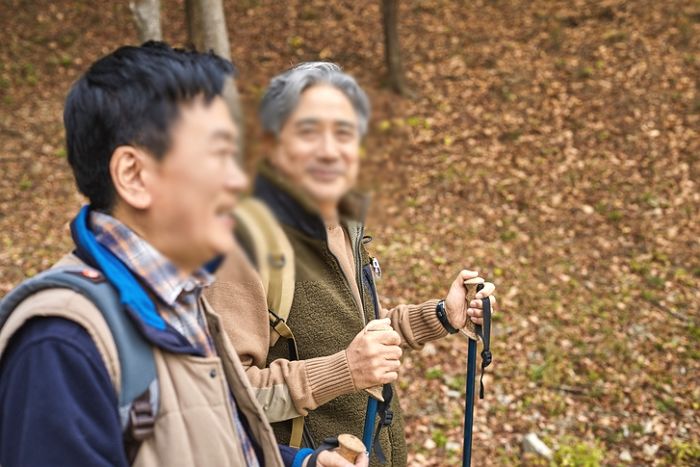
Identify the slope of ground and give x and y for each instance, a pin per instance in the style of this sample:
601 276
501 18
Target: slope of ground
553 145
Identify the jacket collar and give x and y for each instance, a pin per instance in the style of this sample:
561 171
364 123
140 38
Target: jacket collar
294 208
132 295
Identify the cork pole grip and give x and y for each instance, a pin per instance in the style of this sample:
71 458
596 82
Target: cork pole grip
350 446
469 329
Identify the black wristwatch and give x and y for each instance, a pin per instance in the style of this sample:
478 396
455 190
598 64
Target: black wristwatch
442 317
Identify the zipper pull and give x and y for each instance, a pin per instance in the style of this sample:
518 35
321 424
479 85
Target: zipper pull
376 267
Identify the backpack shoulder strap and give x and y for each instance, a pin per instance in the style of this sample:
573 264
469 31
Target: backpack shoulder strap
138 381
274 258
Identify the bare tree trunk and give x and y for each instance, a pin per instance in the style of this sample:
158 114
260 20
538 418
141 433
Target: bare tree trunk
392 51
206 28
193 17
147 16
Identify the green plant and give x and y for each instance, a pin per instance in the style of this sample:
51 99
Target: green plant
433 373
575 453
686 453
439 437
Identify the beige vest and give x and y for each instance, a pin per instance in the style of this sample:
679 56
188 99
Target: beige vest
194 424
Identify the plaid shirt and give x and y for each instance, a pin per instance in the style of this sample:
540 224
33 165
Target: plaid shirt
175 294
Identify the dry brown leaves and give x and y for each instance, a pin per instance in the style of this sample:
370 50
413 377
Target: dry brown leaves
553 145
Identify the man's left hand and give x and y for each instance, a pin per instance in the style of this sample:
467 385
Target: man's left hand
456 305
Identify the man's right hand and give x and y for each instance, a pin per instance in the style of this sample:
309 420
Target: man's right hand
373 355
333 459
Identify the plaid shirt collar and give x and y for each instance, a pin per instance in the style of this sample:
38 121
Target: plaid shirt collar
159 273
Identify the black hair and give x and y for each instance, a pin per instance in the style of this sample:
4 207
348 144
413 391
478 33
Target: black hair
132 97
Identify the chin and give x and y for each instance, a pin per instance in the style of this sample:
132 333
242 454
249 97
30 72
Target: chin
327 194
222 245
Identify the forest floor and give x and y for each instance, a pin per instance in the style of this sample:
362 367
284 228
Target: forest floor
552 145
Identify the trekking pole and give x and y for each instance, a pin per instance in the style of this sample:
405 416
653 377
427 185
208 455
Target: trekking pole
372 406
469 404
370 418
485 334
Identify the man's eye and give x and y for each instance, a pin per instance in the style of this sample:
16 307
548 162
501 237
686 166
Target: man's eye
307 131
225 153
345 135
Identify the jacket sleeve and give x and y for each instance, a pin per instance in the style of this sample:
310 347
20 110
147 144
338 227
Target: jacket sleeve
416 324
285 389
57 402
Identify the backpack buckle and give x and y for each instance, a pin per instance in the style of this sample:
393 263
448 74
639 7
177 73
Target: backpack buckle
387 417
278 319
141 418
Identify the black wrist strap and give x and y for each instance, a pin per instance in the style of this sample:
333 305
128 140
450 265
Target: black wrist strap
485 333
441 313
327 444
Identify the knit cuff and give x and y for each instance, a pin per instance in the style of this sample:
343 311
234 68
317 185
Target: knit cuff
329 377
425 325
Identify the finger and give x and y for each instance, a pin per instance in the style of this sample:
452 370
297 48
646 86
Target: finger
475 312
390 377
486 291
476 304
389 337
478 321
378 325
473 281
362 460
393 352
331 459
392 363
466 274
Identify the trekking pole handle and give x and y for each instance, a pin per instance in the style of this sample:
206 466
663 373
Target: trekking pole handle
350 446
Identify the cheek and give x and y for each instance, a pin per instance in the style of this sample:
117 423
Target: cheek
353 164
293 163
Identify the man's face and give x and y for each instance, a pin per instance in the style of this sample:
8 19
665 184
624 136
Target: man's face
318 146
195 186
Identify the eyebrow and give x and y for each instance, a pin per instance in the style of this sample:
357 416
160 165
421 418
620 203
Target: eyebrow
225 135
316 121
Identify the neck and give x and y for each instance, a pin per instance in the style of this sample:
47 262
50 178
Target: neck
329 214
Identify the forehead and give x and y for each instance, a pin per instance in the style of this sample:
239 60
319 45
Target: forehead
204 119
323 102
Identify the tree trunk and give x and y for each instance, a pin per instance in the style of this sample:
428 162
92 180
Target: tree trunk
147 16
392 51
193 17
206 30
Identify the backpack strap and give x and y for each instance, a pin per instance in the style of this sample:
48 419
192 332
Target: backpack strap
138 388
274 258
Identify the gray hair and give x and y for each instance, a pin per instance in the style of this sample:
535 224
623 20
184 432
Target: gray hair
284 90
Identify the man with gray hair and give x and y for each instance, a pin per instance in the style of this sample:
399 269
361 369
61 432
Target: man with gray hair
315 117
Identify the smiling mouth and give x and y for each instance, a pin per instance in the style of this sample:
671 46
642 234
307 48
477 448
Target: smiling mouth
225 214
325 175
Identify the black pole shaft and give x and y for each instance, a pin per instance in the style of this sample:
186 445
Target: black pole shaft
469 405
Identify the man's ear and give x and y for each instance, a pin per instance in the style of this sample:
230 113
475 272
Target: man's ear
130 168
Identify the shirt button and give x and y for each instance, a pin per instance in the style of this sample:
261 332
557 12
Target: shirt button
212 373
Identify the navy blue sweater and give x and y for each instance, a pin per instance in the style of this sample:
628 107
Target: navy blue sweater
57 403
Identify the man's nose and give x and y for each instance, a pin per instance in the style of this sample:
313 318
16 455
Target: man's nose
329 148
236 179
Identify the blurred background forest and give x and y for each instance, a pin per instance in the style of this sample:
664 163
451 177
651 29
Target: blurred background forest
554 145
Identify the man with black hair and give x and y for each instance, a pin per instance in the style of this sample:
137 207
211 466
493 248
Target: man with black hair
152 146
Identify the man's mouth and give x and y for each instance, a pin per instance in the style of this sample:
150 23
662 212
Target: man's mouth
325 175
225 214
